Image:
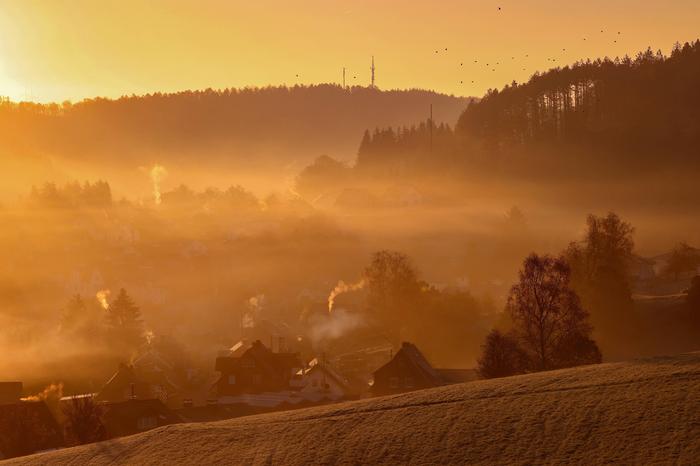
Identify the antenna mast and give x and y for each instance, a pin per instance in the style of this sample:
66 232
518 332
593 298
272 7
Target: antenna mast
372 69
343 77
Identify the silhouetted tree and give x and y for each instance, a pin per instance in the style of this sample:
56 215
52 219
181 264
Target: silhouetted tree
393 289
683 259
547 315
83 420
124 320
323 174
501 356
600 275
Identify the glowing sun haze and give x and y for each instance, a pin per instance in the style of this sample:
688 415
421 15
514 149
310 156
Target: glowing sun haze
53 50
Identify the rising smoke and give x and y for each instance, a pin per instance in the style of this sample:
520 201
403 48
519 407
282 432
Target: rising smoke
334 325
254 306
341 288
102 297
157 173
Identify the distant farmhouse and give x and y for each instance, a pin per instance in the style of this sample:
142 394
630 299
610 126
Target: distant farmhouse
409 370
252 374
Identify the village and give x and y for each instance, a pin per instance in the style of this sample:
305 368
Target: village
250 378
272 366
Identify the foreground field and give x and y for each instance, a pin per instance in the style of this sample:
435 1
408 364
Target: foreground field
641 412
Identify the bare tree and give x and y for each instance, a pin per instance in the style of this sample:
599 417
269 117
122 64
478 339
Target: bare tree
83 420
547 313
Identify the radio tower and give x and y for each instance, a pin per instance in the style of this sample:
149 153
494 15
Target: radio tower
372 69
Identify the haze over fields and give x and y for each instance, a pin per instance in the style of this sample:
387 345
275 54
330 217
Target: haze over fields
223 208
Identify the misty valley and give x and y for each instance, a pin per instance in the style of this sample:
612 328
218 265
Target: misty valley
201 256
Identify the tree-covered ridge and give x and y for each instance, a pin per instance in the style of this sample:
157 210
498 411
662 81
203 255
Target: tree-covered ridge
309 120
646 103
621 112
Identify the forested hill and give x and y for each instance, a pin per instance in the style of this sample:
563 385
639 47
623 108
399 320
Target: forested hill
279 122
622 114
647 103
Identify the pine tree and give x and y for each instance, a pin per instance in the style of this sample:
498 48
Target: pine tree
124 320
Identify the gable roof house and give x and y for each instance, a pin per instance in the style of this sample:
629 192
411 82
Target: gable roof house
131 382
409 370
256 370
320 382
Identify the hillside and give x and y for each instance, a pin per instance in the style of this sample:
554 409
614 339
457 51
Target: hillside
603 116
259 130
641 412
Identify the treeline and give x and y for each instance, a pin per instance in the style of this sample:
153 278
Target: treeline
72 195
565 309
229 122
645 104
623 112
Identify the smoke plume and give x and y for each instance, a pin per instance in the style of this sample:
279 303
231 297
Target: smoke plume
157 173
254 306
102 296
341 288
332 326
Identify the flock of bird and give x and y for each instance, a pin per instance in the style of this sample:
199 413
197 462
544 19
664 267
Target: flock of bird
492 65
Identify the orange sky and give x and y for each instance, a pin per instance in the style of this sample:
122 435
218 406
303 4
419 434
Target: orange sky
53 50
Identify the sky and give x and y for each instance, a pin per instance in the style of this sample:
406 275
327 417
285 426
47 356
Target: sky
56 50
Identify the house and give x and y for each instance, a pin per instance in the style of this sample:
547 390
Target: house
320 382
131 382
130 417
256 370
357 366
27 427
409 370
10 392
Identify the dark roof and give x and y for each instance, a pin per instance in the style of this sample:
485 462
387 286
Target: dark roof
10 392
330 372
263 357
121 382
411 356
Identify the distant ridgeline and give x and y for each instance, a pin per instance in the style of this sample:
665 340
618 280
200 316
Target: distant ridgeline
274 121
623 113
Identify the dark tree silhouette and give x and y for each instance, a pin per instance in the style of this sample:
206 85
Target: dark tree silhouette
600 275
684 259
124 320
393 290
501 356
547 314
83 421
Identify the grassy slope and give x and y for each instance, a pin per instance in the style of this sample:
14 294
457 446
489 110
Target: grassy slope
641 412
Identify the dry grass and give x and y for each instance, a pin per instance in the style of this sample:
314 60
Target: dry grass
641 412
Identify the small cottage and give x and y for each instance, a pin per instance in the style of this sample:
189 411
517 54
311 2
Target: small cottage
409 370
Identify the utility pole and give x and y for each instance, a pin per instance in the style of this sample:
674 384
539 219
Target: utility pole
431 128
